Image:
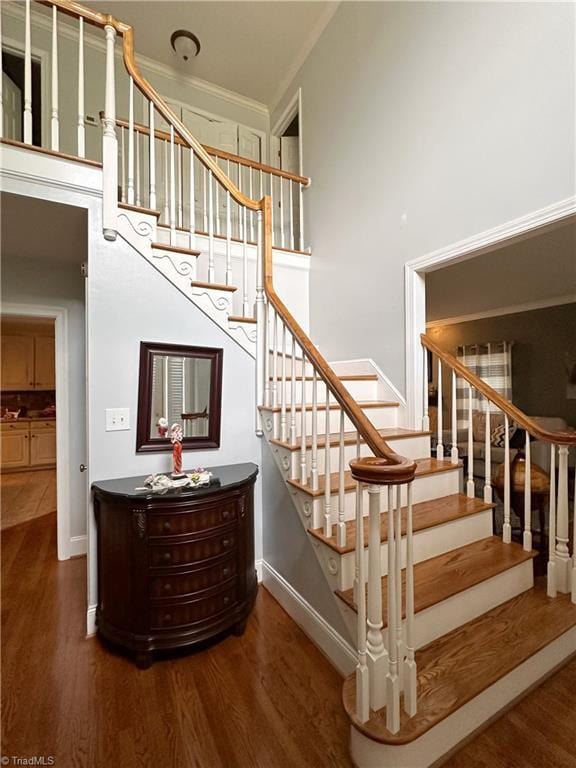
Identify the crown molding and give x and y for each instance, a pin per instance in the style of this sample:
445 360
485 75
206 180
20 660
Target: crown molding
67 30
309 43
529 306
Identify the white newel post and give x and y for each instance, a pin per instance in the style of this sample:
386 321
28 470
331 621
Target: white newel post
562 534
551 580
110 144
54 118
377 655
27 77
261 345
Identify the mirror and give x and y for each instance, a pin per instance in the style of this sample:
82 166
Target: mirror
181 385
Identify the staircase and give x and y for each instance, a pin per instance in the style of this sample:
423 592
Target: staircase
448 622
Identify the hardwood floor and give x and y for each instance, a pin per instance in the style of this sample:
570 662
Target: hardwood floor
268 699
27 495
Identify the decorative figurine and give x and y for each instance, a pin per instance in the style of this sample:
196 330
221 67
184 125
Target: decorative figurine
162 425
176 436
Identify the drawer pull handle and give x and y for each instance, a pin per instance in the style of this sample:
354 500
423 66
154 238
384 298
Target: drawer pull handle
225 514
226 600
167 617
167 557
225 543
226 571
167 527
167 587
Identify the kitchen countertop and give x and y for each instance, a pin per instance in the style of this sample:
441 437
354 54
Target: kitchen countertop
4 420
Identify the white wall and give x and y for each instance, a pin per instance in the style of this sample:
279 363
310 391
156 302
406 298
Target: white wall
47 282
423 124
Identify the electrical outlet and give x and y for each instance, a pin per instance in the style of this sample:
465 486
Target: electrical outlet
117 419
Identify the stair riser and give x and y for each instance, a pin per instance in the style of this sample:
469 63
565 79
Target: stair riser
380 417
459 609
413 448
359 390
428 543
311 509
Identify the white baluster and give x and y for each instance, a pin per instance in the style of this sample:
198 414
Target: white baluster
27 78
251 213
152 159
179 177
562 552
392 680
130 194
527 539
454 448
138 197
54 121
81 133
282 393
1 86
507 527
314 457
166 208
272 208
573 590
359 512
274 383
341 528
261 336
426 416
440 444
205 199
293 396
211 269
327 483
377 655
282 240
217 201
245 305
410 672
122 165
110 143
172 188
228 231
240 229
300 190
398 582
487 457
267 364
303 467
362 678
470 489
551 575
291 190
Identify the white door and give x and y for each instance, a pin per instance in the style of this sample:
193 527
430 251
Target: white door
290 154
12 104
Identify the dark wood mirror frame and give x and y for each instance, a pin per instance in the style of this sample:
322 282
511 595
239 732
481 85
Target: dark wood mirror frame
147 444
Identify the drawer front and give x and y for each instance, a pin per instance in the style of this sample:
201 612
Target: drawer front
176 585
15 426
43 425
190 613
168 555
202 519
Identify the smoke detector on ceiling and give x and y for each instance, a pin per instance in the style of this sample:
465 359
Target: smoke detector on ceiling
185 44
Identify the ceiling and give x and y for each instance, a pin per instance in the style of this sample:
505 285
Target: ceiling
253 48
539 269
33 229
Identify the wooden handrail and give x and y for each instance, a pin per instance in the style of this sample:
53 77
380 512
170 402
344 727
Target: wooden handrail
558 438
165 136
385 466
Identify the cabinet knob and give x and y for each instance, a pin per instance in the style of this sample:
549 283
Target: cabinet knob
167 617
226 600
225 571
167 587
167 527
225 514
167 556
225 543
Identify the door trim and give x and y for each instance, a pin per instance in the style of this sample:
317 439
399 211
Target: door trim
514 231
66 548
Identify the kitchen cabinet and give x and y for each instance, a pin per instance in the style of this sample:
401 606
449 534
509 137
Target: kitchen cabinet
28 444
15 443
44 363
42 443
28 362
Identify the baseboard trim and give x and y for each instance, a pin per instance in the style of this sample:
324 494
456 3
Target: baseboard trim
78 546
91 620
332 645
259 570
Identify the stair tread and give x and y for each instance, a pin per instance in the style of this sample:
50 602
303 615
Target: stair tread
241 319
215 286
423 467
460 665
388 433
364 404
139 209
447 575
175 249
426 514
342 377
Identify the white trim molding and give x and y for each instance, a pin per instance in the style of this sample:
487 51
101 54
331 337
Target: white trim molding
514 231
325 637
78 546
530 306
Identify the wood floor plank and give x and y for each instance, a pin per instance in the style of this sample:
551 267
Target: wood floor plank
447 575
460 665
426 514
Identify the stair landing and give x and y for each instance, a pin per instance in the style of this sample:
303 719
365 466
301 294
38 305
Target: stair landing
462 664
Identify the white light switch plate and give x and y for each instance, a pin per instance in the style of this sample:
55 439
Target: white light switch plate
117 419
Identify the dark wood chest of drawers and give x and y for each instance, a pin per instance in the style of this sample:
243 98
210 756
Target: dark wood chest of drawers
174 569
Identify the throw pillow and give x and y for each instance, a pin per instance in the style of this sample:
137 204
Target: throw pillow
498 436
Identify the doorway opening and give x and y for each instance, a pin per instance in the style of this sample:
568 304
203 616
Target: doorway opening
13 97
286 154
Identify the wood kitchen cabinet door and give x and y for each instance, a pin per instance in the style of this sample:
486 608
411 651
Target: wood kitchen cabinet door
15 449
17 362
42 447
45 365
